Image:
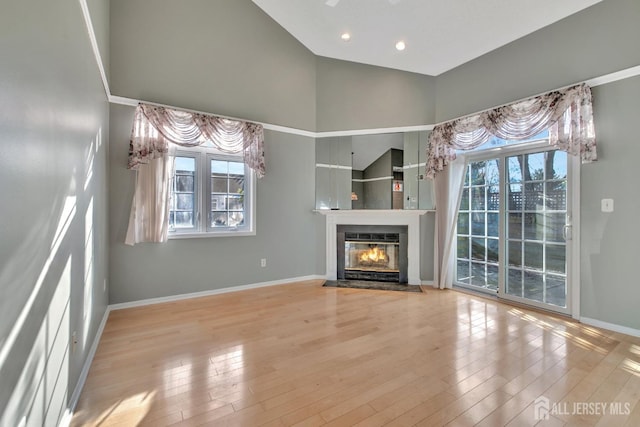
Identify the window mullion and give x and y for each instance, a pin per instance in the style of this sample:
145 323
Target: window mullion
202 188
503 261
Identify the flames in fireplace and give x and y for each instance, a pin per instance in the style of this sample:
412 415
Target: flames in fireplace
373 257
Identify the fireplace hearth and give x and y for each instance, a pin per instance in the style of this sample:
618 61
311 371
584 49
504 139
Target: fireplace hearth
372 252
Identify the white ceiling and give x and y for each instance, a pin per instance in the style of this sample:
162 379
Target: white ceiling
439 34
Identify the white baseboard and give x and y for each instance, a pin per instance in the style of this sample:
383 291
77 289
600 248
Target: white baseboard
611 326
71 405
172 298
429 283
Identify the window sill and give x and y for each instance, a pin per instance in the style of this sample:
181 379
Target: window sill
179 236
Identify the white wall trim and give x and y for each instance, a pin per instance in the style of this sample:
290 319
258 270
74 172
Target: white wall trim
611 326
121 100
211 292
614 77
381 178
357 132
416 165
94 46
324 165
73 401
293 131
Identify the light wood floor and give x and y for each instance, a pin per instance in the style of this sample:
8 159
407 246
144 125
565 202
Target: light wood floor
305 355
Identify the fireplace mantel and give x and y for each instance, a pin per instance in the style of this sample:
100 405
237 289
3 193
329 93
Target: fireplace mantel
410 218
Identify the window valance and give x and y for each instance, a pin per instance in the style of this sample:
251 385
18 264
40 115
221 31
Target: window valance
567 113
154 127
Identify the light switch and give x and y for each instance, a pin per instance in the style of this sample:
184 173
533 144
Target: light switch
607 205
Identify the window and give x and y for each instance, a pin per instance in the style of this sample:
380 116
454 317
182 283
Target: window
211 194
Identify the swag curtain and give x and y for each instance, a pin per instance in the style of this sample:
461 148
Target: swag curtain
155 127
567 113
157 130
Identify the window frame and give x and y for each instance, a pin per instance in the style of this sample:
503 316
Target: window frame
572 272
202 204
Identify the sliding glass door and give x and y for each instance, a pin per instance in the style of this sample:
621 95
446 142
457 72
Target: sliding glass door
513 227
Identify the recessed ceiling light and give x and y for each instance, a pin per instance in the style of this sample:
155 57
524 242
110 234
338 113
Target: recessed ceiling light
400 45
345 37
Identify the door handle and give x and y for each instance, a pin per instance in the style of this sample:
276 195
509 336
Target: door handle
566 232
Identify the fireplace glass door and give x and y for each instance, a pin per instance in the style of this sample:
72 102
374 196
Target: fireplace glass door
369 259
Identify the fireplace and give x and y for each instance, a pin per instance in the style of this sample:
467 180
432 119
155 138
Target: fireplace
372 252
410 220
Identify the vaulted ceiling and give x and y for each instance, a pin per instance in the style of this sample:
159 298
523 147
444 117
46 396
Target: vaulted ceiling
438 34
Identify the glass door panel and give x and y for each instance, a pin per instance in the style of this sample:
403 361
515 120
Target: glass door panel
478 227
536 212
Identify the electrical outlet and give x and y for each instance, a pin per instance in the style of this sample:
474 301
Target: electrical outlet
263 262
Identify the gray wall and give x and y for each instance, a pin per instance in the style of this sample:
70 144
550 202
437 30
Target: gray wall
289 235
609 241
598 40
220 56
427 246
426 195
53 246
357 96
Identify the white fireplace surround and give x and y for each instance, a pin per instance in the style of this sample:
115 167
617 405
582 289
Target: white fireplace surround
410 218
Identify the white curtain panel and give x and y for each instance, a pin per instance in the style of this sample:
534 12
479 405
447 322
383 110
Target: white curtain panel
448 190
149 218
